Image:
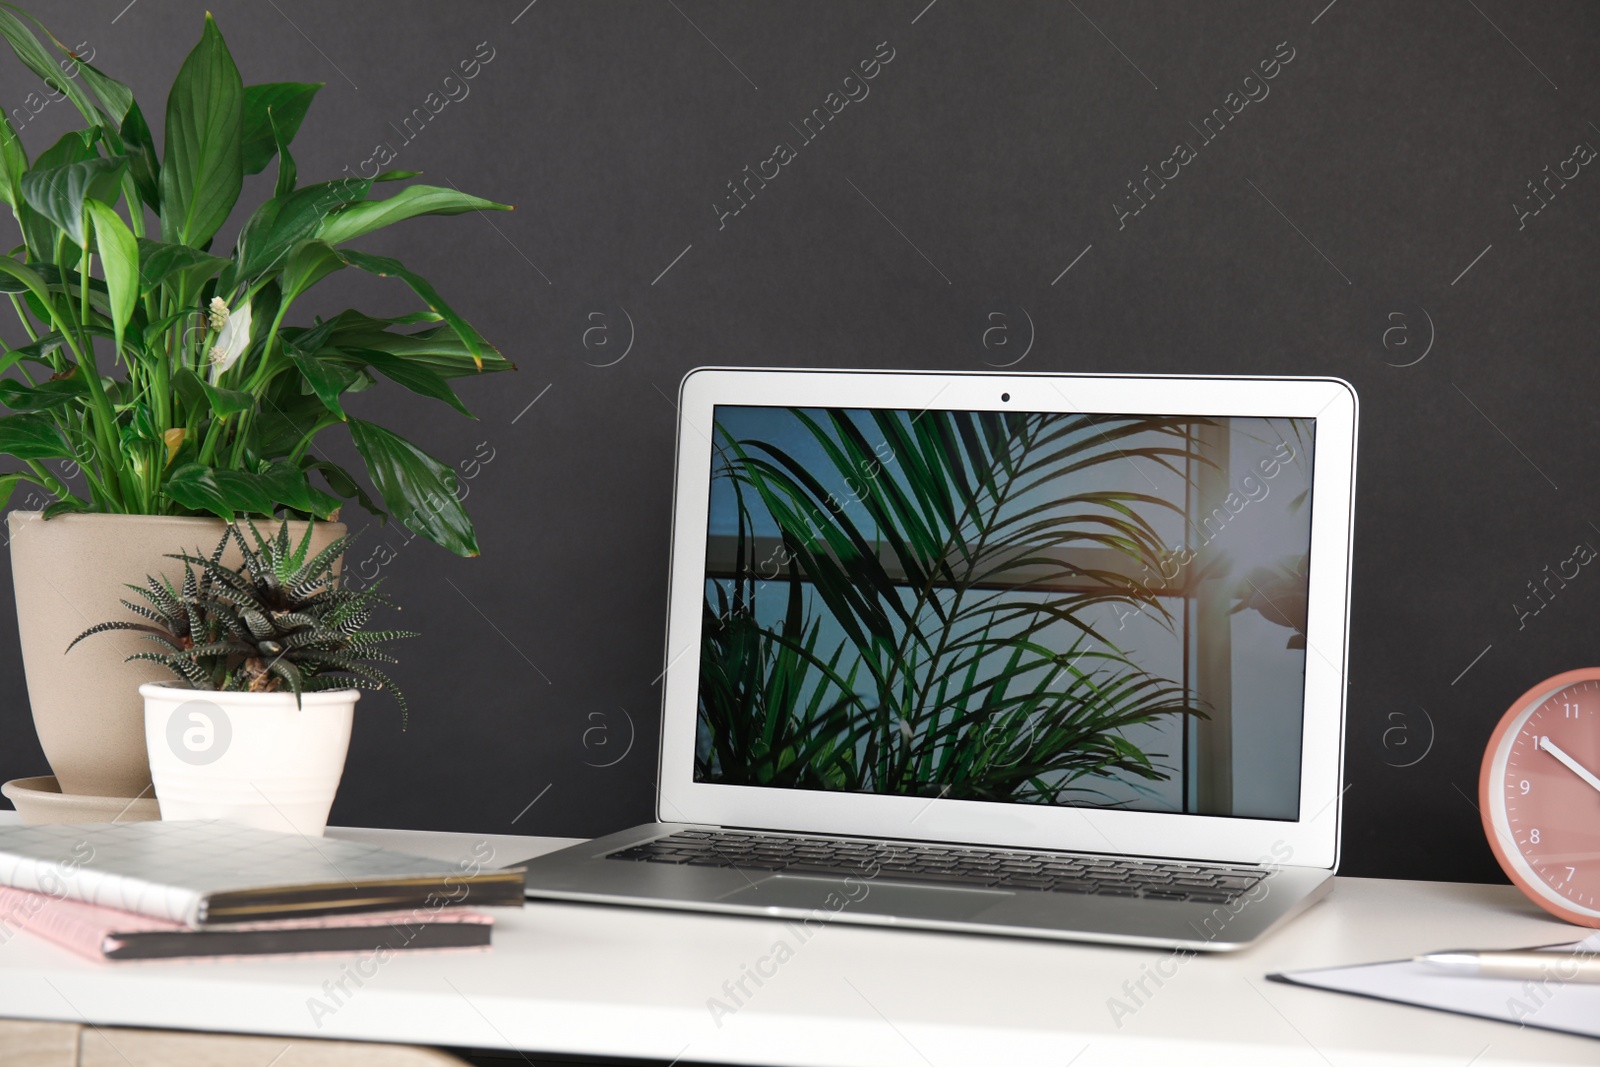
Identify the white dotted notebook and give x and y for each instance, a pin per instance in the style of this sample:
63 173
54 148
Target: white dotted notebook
217 873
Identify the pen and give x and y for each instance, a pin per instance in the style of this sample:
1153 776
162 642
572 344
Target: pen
1515 964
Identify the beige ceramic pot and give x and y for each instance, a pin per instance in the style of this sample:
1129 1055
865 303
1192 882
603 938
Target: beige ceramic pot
70 574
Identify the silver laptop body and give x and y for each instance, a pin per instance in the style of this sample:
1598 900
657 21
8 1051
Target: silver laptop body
1056 656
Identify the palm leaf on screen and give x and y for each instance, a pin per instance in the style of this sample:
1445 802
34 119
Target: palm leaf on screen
946 681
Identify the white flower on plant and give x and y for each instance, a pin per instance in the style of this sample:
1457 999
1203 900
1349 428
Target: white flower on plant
232 339
217 314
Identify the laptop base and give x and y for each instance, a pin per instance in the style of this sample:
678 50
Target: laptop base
583 874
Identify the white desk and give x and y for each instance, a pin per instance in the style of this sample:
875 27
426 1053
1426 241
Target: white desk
567 979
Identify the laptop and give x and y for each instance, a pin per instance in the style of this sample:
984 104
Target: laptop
1041 655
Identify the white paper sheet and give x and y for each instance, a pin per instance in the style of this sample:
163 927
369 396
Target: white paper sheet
1570 1007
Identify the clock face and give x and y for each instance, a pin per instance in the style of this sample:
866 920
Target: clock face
1540 795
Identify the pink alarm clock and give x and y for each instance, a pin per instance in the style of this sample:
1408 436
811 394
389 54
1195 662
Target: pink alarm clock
1539 792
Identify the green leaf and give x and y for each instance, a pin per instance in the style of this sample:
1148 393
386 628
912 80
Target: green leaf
283 104
351 319
190 389
119 261
34 56
396 175
327 379
224 493
58 193
204 170
226 402
140 427
360 219
37 230
71 280
308 264
143 163
20 396
283 222
116 99
264 307
32 436
8 486
439 348
341 482
385 267
414 376
288 173
69 506
288 484
34 351
29 278
74 146
419 489
288 416
185 269
13 164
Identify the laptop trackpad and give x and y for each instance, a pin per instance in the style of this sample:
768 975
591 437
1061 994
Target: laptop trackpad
833 895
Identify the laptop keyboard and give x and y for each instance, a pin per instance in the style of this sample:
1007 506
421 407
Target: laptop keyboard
985 868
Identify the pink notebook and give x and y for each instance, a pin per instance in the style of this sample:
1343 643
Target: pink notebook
100 933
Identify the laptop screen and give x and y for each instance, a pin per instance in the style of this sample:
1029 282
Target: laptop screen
1090 610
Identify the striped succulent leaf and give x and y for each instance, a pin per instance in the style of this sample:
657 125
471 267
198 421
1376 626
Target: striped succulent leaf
280 621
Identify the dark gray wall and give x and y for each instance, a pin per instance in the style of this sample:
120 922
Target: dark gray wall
1359 218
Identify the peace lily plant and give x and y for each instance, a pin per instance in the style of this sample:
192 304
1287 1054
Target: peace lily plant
175 376
166 384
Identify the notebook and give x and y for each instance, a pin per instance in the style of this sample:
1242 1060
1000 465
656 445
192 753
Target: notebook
212 873
102 934
1567 1007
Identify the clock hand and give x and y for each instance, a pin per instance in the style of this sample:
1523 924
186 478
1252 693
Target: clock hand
1571 764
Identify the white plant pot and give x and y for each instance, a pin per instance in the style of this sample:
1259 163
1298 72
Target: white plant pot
250 758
